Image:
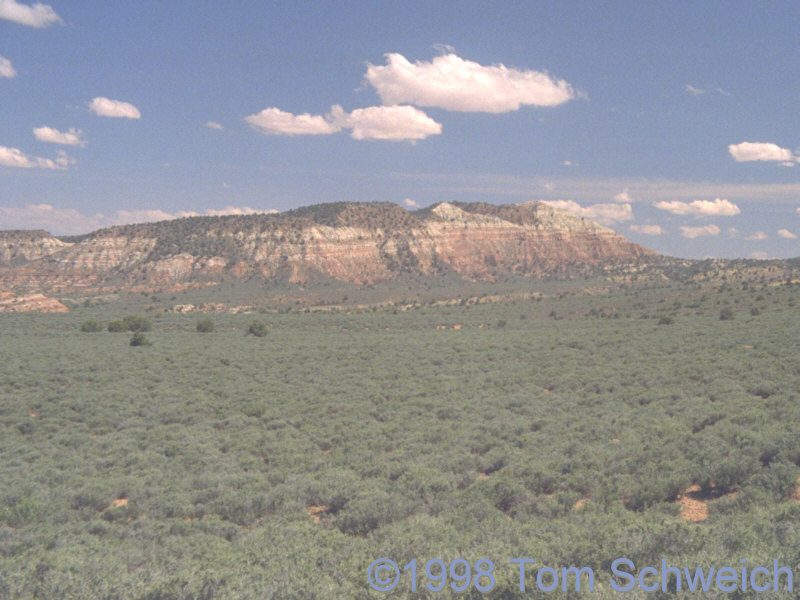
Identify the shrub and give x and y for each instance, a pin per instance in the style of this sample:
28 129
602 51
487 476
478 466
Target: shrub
257 328
205 326
91 326
138 339
134 323
117 326
726 314
666 320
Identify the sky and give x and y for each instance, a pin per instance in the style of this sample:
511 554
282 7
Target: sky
674 123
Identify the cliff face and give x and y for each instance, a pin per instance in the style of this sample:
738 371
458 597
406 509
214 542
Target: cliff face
19 247
356 243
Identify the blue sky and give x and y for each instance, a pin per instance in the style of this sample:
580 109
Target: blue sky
674 123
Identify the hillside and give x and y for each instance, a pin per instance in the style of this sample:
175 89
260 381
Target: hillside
357 243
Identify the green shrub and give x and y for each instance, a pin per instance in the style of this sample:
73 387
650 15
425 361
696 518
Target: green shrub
257 328
138 339
91 326
135 323
205 326
726 314
665 320
117 326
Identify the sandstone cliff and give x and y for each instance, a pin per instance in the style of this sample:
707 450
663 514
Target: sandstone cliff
356 243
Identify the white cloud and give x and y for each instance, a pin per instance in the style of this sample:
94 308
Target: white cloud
606 214
700 208
569 163
386 123
6 68
13 157
752 151
733 232
410 203
105 107
372 123
452 83
786 234
647 229
45 216
213 125
38 15
758 236
54 136
623 197
274 121
70 221
759 255
694 91
695 232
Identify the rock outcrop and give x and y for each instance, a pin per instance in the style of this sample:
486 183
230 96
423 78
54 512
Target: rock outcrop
30 303
356 243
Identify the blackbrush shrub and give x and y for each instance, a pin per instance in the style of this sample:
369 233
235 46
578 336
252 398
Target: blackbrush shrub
135 323
726 314
205 326
138 339
91 326
257 328
117 326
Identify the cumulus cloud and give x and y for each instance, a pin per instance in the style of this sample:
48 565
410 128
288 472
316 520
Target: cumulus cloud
607 214
45 216
105 107
452 83
647 229
6 68
274 121
410 203
758 236
386 123
54 136
13 157
623 197
70 221
786 234
372 123
38 15
695 232
700 208
753 151
213 125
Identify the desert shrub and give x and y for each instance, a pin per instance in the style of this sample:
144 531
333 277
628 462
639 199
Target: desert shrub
665 320
205 326
136 323
139 339
117 326
91 326
257 328
726 314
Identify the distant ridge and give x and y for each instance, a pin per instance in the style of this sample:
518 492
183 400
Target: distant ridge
359 243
